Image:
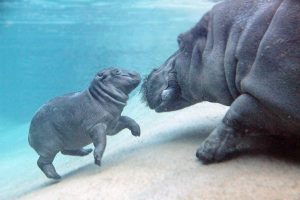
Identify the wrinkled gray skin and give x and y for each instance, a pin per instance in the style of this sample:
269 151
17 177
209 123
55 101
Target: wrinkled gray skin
244 54
68 123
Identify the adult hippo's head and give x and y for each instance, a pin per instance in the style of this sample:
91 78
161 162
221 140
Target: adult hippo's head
172 86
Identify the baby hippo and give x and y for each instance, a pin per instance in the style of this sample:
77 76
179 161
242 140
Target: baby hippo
70 122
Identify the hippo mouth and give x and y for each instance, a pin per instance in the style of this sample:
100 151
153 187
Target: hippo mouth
169 99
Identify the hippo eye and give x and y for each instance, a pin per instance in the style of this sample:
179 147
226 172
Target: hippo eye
116 72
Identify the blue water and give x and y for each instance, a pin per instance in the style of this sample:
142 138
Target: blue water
52 47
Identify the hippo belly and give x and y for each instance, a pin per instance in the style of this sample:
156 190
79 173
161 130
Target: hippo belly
75 139
59 125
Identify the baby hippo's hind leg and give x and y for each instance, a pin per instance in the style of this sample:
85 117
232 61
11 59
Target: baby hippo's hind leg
77 152
45 164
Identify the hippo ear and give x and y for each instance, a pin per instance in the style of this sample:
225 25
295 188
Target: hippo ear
201 28
101 76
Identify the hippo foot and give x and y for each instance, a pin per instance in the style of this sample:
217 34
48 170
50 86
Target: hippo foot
98 162
77 152
49 171
136 130
220 145
97 157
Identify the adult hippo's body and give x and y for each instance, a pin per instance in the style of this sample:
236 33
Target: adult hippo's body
245 54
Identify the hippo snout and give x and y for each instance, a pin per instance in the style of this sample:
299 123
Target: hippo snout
136 76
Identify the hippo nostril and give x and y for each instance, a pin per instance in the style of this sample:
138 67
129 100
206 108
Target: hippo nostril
135 75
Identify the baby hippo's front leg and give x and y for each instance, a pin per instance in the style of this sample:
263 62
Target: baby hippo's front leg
126 122
131 125
98 136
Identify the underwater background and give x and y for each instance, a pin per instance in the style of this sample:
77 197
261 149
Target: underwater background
52 47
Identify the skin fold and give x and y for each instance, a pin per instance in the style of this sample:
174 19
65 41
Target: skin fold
68 123
243 54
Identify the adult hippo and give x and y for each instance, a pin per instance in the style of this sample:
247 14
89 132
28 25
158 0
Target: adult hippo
244 54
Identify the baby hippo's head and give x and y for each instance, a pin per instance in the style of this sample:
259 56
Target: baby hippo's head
117 80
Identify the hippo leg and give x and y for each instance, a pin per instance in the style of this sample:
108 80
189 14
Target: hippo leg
126 122
77 152
98 136
45 164
221 143
245 115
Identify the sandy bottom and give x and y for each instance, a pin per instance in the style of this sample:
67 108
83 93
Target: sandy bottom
162 165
